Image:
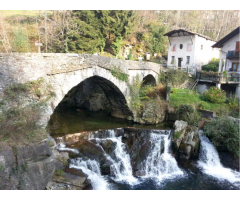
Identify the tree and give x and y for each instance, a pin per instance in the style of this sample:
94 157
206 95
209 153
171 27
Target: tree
157 42
87 37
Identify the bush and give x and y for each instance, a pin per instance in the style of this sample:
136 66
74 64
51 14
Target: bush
212 65
224 132
175 77
215 95
189 114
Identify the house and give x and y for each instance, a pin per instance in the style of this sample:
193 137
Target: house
189 50
229 61
229 53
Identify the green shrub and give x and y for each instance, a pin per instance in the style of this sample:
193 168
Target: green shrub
175 77
224 132
233 102
215 95
212 65
189 114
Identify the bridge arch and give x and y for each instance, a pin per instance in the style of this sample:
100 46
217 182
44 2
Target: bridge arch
97 93
149 80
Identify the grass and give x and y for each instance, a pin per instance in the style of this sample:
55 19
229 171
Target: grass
188 97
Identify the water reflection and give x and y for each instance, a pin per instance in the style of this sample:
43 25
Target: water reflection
71 120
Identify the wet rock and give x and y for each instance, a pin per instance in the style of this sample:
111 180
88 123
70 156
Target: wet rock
228 160
178 134
152 113
185 141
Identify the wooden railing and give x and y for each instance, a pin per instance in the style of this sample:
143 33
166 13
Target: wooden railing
219 77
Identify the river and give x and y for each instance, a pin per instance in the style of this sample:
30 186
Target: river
160 169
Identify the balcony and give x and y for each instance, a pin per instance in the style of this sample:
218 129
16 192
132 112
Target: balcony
232 78
232 55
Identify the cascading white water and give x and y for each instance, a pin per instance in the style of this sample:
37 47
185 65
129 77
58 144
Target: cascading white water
161 165
209 162
92 169
121 169
62 147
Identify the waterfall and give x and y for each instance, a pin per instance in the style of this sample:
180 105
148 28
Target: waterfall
209 162
121 169
62 147
160 163
92 169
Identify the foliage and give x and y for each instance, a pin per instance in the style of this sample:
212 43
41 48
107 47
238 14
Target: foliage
117 72
20 41
117 44
87 36
189 114
156 42
94 27
233 103
212 65
135 101
215 95
175 77
149 91
224 132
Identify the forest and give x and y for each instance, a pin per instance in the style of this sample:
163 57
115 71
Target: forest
107 32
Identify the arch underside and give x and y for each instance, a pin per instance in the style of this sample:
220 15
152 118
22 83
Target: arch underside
95 94
149 80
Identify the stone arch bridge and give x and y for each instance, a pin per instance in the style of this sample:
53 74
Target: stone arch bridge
78 79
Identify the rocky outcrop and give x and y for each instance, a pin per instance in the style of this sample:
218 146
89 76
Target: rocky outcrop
185 141
28 168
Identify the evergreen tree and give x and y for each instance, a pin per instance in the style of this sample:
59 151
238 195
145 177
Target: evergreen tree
87 36
156 41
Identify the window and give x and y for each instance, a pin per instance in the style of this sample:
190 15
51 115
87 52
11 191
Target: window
181 46
172 62
201 47
235 67
188 59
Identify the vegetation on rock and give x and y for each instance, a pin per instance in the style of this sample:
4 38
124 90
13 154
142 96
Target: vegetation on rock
21 110
119 74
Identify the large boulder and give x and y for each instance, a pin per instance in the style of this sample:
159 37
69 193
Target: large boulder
153 112
26 167
185 140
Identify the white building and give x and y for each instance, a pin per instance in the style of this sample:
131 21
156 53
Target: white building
229 59
189 50
229 53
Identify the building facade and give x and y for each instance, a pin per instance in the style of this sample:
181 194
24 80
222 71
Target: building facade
229 59
189 50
